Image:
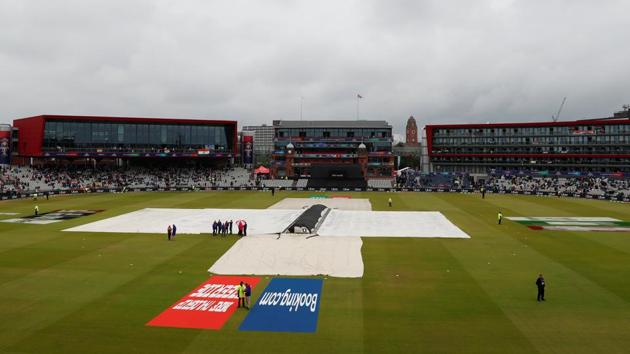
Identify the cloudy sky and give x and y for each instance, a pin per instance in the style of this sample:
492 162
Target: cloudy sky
441 61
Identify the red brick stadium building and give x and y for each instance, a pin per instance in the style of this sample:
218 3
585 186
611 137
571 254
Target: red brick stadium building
594 145
47 138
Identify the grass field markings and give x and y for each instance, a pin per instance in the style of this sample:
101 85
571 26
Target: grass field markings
605 208
618 241
505 203
126 309
575 207
335 313
592 321
601 208
421 306
48 251
587 287
89 282
43 259
594 265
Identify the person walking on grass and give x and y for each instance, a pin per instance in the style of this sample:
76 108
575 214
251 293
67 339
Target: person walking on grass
499 218
540 284
390 202
36 210
169 232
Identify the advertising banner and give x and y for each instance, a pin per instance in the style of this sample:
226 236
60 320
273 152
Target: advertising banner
248 149
209 306
51 217
286 305
5 145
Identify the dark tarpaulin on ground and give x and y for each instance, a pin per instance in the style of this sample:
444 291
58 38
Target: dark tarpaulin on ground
308 219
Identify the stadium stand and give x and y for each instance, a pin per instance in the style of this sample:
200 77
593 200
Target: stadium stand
414 179
594 186
41 179
29 179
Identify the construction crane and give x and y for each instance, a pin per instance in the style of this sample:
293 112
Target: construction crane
555 118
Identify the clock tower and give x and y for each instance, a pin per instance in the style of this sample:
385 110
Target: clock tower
412 132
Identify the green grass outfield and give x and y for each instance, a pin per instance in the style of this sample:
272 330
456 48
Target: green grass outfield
77 292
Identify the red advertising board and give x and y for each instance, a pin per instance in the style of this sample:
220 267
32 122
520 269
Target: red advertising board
248 149
209 306
5 145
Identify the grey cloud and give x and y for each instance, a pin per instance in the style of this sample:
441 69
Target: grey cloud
441 61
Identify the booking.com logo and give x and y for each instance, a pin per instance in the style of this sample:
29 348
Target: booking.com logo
294 301
286 305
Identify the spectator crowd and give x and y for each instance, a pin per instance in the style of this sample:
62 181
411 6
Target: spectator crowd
21 179
582 185
40 179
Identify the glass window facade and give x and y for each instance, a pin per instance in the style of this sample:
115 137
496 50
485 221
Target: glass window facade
71 135
589 146
332 145
315 133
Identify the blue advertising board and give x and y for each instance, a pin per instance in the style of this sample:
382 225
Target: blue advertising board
286 305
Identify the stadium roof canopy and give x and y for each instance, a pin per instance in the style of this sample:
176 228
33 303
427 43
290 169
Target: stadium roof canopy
332 124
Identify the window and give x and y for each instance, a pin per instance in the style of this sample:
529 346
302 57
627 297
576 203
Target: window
326 134
121 133
142 134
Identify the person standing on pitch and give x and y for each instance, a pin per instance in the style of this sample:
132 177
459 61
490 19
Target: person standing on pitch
241 295
174 230
169 231
273 191
36 210
499 218
483 192
230 227
248 295
390 202
245 229
540 283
